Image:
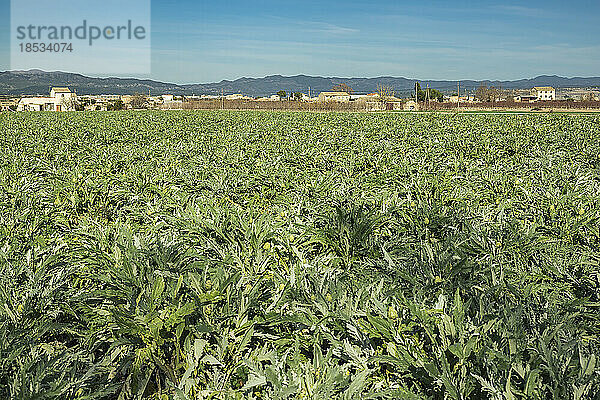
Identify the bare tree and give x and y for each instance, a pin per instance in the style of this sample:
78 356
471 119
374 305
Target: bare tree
384 93
138 101
495 93
69 103
481 93
342 87
486 94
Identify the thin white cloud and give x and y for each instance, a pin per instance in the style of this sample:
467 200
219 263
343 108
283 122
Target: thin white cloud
322 27
521 11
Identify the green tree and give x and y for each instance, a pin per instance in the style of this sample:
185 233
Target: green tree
116 105
298 96
428 93
282 94
434 94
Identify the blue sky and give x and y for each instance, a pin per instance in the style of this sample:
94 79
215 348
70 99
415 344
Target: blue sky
202 41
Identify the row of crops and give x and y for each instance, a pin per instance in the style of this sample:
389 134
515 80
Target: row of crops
255 255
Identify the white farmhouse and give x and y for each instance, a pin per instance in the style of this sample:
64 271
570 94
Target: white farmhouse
544 93
341 97
36 104
61 99
61 93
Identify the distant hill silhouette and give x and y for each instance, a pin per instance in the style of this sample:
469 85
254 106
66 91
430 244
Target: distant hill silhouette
38 82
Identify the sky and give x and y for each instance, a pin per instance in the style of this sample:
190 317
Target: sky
207 41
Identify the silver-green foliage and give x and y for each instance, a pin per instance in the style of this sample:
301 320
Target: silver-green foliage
218 255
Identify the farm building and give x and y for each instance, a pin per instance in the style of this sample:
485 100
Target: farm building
544 93
8 104
374 103
237 96
580 94
36 104
273 97
61 93
97 104
462 99
525 98
342 97
61 99
411 105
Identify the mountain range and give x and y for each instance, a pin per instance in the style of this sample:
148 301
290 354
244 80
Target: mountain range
32 82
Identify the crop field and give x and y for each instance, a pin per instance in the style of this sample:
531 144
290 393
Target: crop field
291 255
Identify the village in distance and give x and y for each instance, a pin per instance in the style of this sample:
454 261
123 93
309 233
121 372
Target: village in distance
341 97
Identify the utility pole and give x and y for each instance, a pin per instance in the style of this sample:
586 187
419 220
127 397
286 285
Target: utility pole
222 98
458 99
427 96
